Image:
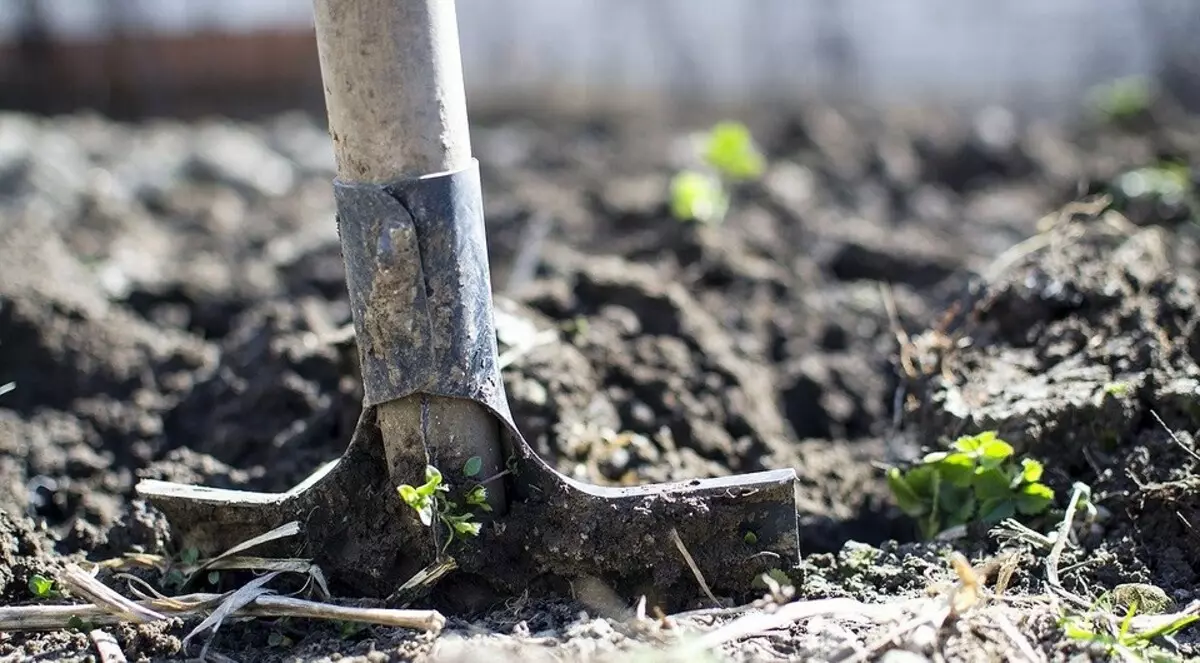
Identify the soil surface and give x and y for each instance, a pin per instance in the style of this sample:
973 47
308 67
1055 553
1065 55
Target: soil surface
172 306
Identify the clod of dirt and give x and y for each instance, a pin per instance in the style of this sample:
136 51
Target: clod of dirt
1083 354
281 396
23 553
67 342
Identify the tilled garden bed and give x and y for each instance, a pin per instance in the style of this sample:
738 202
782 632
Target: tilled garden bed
172 306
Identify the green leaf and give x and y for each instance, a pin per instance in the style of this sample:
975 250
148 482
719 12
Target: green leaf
190 556
957 468
433 475
477 496
473 466
922 479
961 511
993 452
993 484
906 498
467 528
950 498
698 197
1034 498
40 586
750 538
425 512
410 495
731 150
994 510
971 443
214 577
79 624
1031 470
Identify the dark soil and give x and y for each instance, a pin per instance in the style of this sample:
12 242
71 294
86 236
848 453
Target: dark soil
172 300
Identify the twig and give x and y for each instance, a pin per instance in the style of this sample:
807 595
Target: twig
80 583
1191 452
106 647
1060 543
687 557
58 617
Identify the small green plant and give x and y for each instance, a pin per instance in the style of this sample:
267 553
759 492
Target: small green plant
1117 388
728 155
1121 99
348 630
429 500
77 623
1118 638
976 481
41 586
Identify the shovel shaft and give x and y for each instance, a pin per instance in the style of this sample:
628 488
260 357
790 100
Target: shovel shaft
393 87
397 111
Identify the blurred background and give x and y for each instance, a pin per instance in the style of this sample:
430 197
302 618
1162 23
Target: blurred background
133 58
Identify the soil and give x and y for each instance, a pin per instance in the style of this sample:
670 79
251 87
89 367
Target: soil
172 306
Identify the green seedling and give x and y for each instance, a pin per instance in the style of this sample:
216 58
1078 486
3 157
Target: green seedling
348 630
697 196
728 155
1122 99
77 623
776 574
1118 639
41 586
429 501
976 481
730 150
1117 388
189 556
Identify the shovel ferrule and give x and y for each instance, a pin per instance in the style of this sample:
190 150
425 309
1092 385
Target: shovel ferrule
417 274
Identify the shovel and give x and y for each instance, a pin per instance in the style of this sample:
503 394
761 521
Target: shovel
412 232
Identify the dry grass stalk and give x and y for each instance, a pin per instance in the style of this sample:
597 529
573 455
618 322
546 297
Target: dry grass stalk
84 585
687 557
59 617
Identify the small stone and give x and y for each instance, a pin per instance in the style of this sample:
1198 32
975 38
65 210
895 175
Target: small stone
1151 600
